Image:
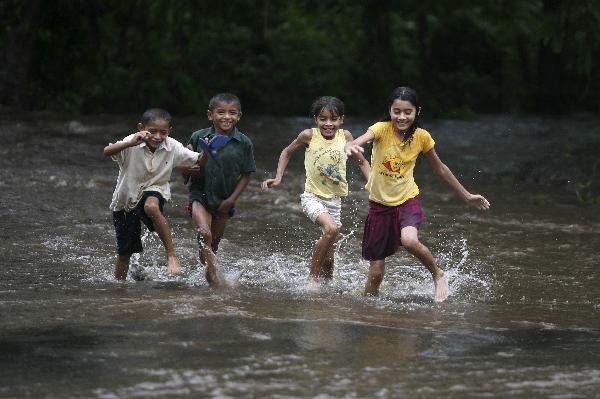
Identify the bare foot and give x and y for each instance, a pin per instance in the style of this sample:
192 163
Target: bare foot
441 288
231 282
173 265
213 274
214 277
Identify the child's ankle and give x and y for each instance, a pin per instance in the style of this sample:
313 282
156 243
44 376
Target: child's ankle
439 273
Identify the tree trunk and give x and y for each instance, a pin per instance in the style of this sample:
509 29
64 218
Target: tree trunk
17 75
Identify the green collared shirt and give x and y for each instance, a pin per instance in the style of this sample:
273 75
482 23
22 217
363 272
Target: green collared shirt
219 179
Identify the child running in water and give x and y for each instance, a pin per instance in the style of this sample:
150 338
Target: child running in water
394 210
325 165
146 160
215 186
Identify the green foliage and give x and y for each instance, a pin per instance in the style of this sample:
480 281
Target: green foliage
463 57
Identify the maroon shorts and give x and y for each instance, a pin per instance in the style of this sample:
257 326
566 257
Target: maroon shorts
381 237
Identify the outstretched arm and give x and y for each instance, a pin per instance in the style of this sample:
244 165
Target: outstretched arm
194 170
356 146
363 164
284 158
115 148
444 172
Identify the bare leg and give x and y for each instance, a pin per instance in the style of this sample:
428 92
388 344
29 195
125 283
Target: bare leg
203 221
410 241
217 229
327 267
121 267
376 273
323 246
161 226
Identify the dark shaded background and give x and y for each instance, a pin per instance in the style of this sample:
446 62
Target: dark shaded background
489 56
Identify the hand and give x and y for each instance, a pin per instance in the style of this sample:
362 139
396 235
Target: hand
224 207
203 159
350 148
139 138
478 201
195 170
269 183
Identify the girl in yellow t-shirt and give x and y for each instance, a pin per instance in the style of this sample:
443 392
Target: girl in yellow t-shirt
394 210
325 166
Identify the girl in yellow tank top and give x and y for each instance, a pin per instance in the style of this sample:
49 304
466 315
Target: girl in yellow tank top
325 165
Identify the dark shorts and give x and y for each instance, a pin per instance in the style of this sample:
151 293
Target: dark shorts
211 210
381 237
128 227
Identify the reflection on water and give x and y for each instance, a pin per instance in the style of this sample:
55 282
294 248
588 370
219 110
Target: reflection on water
521 320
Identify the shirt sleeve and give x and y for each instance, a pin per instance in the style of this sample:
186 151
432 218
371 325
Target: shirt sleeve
192 140
377 129
121 156
183 155
427 142
249 164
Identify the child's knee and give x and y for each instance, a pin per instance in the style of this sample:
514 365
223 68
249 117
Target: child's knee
410 244
152 208
331 230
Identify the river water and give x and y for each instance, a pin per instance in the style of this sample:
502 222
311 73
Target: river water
522 320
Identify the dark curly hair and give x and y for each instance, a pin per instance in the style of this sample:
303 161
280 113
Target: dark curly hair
332 104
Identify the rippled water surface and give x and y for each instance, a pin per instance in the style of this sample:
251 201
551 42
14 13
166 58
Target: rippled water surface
522 320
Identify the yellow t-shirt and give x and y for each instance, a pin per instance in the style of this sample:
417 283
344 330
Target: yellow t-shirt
325 165
391 181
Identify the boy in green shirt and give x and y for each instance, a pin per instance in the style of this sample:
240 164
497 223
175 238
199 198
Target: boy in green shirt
216 185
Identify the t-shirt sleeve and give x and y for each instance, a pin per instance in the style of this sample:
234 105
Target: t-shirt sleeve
377 129
427 142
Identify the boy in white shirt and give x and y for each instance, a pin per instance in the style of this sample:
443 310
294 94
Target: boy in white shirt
146 160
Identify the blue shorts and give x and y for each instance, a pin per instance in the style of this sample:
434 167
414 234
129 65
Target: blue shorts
128 227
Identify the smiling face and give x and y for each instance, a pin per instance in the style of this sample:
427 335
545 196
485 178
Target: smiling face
224 116
328 123
402 114
159 131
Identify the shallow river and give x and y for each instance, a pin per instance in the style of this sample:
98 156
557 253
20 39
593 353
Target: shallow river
522 320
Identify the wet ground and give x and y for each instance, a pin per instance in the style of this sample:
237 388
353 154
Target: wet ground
521 321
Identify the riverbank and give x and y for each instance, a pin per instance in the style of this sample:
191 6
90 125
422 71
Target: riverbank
572 167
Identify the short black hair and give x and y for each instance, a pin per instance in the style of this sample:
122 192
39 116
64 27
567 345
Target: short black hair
153 114
226 98
332 104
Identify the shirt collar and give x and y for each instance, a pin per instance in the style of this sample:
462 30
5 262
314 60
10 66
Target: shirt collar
235 135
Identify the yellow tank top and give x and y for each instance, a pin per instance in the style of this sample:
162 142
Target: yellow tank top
325 165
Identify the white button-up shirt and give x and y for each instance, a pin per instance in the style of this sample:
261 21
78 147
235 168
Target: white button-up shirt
143 170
